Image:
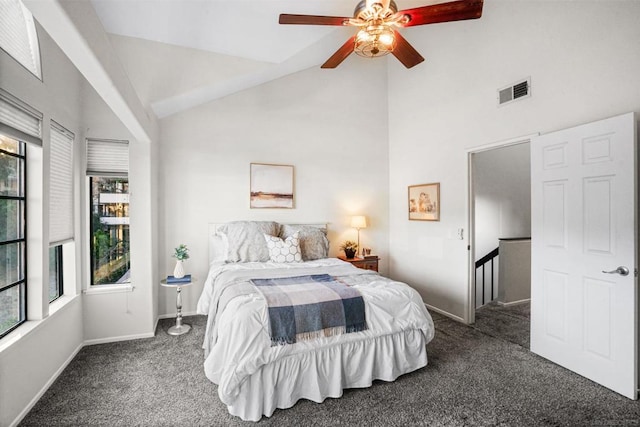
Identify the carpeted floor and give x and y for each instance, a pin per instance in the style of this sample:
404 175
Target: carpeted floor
509 323
473 379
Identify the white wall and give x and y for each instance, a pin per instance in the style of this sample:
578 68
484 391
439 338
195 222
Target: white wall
34 358
333 131
35 353
117 313
502 189
29 366
584 65
116 113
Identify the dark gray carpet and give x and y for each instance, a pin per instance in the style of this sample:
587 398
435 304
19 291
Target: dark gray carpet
509 323
473 379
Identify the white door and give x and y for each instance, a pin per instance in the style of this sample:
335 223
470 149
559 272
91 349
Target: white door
583 226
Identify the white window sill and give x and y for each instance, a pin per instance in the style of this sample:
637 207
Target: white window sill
59 303
30 325
108 289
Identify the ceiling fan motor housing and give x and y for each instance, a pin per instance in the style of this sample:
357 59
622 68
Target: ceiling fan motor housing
365 7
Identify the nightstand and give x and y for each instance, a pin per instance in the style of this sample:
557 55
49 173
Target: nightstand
370 263
179 328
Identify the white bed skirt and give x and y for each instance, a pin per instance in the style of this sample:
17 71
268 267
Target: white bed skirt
325 372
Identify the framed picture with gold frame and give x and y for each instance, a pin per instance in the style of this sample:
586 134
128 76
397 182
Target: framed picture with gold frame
271 186
424 202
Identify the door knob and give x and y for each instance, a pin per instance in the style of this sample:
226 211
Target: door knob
622 270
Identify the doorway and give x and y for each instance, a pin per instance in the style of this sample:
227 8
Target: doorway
584 299
499 215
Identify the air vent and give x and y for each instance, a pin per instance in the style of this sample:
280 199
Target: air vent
515 91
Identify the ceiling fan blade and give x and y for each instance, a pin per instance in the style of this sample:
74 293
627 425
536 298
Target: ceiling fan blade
286 18
443 12
405 52
341 54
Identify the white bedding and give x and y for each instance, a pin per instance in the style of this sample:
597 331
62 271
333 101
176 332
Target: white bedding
255 378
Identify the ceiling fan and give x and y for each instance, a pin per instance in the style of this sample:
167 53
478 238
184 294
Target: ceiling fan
377 21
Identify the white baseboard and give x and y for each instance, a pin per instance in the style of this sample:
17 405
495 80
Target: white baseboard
44 389
507 304
120 338
445 313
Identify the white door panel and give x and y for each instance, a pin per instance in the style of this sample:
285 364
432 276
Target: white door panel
554 216
584 208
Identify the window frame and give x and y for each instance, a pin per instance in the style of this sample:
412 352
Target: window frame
92 283
59 272
23 254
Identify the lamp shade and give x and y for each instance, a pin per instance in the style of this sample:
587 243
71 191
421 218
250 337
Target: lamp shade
359 221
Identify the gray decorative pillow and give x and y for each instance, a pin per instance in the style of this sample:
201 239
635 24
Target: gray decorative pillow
313 241
245 239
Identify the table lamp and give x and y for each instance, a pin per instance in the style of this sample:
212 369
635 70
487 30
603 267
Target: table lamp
358 222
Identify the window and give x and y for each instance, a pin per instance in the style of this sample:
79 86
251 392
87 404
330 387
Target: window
55 273
110 261
108 168
60 205
13 292
18 35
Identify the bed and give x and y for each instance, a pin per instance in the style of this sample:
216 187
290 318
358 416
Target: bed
255 370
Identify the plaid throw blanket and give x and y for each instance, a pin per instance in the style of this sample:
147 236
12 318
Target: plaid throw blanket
309 307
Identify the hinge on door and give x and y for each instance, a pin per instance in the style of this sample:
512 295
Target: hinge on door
635 271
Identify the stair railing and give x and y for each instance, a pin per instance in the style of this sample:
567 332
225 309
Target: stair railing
488 258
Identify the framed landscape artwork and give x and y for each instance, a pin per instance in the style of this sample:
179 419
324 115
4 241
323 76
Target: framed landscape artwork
271 186
424 202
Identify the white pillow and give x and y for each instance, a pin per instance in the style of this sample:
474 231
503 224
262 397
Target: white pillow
219 248
287 250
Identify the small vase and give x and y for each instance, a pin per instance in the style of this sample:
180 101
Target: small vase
178 272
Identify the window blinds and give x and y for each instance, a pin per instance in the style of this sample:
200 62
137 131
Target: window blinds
18 35
107 157
60 185
18 120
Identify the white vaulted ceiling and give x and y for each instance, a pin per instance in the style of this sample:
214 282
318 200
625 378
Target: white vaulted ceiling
243 28
242 40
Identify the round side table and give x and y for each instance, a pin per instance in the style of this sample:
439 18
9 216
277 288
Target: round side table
179 328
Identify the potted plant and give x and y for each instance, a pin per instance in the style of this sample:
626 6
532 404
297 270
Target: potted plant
350 248
181 253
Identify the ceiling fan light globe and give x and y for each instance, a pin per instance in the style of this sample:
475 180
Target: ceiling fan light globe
387 39
372 49
363 36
